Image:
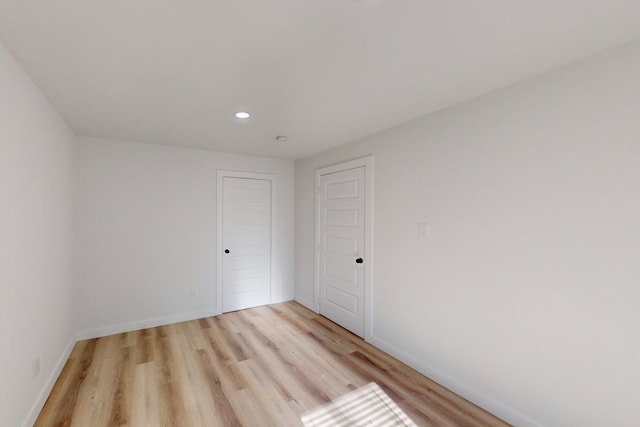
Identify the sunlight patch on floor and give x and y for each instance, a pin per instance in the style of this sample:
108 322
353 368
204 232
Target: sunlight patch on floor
367 406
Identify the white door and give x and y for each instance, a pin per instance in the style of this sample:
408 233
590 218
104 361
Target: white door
246 243
341 230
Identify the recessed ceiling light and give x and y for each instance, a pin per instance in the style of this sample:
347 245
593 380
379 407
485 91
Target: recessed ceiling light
242 115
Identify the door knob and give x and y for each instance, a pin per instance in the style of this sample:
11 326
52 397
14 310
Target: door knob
226 251
359 261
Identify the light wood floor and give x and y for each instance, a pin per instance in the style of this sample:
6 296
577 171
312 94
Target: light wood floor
259 367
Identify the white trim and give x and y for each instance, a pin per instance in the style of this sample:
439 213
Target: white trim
488 403
37 406
143 324
250 175
367 163
282 299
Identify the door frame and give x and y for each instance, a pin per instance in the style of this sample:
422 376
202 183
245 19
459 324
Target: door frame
367 163
219 229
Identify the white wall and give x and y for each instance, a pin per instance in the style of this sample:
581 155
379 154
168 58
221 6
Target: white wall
526 298
148 232
36 169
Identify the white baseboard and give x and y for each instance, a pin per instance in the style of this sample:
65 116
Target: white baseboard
48 385
306 302
142 324
281 298
482 400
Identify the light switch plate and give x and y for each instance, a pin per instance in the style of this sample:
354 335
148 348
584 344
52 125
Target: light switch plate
424 230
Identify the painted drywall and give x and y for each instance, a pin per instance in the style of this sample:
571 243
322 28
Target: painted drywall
148 233
526 296
36 211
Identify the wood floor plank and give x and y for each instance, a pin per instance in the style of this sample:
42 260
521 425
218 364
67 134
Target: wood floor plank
269 396
145 396
259 367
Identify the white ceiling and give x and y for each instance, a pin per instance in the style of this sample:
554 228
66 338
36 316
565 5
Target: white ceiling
323 72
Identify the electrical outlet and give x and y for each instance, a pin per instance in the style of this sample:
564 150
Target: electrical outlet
36 366
194 294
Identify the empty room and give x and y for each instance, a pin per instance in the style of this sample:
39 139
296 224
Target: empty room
320 213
